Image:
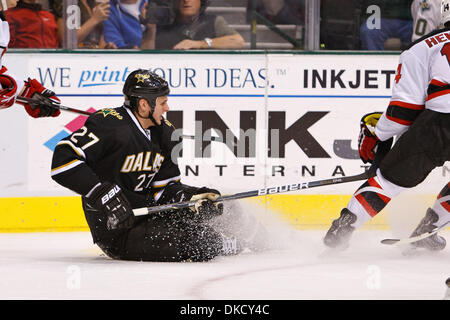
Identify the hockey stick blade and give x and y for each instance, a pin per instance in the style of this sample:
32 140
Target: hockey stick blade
259 192
416 238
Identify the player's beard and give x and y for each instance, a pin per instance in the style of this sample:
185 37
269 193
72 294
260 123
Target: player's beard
150 117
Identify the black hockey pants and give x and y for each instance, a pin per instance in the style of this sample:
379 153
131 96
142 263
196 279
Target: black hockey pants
425 146
164 237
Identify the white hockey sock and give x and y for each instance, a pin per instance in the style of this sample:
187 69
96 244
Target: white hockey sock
442 206
372 197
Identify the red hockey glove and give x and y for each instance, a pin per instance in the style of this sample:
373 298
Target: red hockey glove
8 92
45 98
367 140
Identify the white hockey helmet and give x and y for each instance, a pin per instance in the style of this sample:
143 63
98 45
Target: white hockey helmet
445 11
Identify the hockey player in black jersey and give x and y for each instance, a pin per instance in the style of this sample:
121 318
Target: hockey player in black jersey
121 160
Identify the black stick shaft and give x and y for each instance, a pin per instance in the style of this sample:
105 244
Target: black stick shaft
261 192
188 136
56 106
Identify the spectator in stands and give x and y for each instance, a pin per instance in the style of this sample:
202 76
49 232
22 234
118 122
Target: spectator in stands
278 11
389 19
90 33
123 27
31 27
426 16
340 22
192 28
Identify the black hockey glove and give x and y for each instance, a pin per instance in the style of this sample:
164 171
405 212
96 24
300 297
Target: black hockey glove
109 198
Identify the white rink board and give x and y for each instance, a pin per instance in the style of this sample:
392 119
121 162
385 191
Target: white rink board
326 108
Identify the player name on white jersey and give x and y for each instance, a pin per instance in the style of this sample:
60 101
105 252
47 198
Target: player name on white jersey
439 38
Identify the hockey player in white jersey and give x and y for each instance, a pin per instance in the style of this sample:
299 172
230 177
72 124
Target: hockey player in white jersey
12 86
426 16
419 116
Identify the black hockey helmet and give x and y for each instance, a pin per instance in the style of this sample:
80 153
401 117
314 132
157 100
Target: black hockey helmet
144 84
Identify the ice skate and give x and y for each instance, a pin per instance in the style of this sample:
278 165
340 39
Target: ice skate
434 242
340 231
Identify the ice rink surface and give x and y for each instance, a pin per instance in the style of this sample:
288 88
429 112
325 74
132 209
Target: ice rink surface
68 266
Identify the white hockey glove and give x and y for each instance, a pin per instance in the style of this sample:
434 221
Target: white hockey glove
205 204
204 208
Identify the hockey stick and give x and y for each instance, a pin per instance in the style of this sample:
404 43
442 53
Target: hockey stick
87 113
260 192
382 150
187 136
416 238
46 102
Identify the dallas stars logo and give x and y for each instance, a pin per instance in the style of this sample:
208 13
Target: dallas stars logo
111 112
141 77
424 5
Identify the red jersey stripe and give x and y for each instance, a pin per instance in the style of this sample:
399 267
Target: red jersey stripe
400 121
438 94
438 83
407 105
